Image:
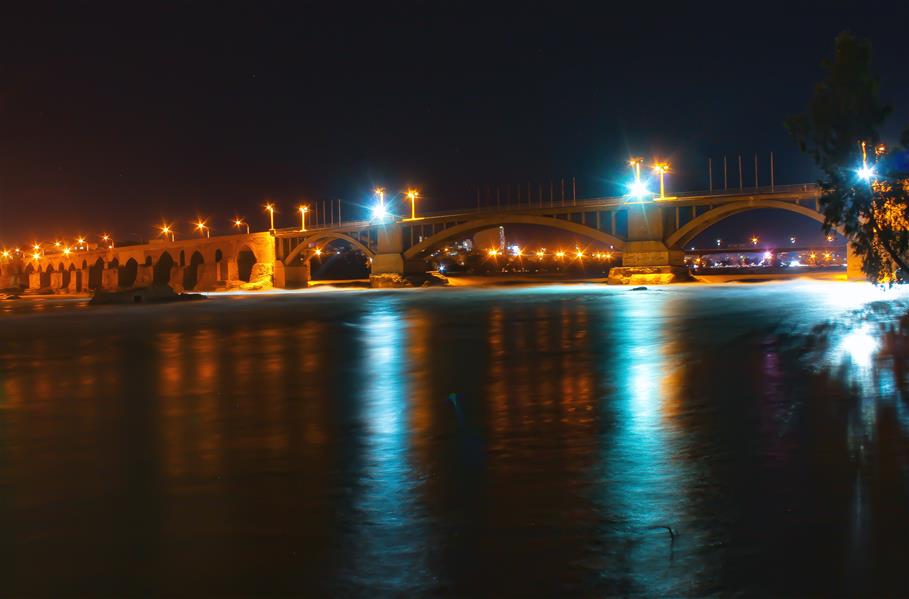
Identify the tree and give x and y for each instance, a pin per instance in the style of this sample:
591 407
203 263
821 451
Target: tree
841 132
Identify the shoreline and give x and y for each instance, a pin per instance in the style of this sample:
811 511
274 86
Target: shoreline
487 281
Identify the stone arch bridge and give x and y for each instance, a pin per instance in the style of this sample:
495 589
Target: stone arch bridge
650 235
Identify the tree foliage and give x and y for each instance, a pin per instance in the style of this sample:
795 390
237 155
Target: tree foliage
845 111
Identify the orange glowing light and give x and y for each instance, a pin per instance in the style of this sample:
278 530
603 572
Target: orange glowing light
560 254
493 252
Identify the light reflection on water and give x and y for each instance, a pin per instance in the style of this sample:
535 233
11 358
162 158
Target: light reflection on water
506 441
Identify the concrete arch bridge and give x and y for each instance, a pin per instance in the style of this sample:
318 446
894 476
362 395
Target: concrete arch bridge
650 235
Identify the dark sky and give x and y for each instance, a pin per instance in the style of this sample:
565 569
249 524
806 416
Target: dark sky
114 117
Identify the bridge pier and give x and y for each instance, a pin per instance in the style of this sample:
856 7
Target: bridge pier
176 278
854 265
110 279
292 277
56 280
145 276
389 258
646 260
206 277
34 280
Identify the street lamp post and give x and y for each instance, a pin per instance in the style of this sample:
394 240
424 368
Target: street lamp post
202 228
238 222
635 164
303 211
413 194
271 214
662 168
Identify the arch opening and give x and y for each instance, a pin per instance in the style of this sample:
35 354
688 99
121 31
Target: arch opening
191 274
128 273
348 263
245 260
94 274
467 229
320 239
165 264
696 227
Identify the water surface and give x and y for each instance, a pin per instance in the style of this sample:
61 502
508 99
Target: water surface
458 441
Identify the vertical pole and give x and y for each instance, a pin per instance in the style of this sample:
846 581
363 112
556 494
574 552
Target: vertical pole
755 171
339 212
332 206
540 190
740 173
574 192
710 175
725 177
498 196
478 197
563 191
551 188
323 213
529 195
771 172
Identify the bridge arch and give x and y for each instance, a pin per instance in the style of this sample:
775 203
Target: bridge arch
695 227
246 258
94 274
496 220
127 276
191 272
328 237
161 274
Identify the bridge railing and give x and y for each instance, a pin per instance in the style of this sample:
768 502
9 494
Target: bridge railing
568 204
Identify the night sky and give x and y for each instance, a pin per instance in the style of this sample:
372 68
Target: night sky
114 117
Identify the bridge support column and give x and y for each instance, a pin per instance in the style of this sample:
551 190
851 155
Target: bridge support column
389 258
110 279
176 278
854 264
206 277
75 284
56 280
34 280
645 258
291 277
231 270
145 276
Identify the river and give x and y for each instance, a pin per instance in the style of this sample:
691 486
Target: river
582 439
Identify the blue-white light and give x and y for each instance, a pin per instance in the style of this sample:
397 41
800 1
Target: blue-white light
866 173
638 189
379 212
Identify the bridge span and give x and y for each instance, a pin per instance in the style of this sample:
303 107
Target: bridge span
650 235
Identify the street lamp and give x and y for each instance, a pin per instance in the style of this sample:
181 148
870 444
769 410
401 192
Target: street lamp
379 212
166 230
81 242
754 240
238 222
413 194
106 239
271 214
661 168
202 228
303 211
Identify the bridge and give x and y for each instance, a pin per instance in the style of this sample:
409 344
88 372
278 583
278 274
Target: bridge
650 235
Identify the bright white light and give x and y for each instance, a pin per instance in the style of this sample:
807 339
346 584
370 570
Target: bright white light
866 173
638 189
768 256
379 212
